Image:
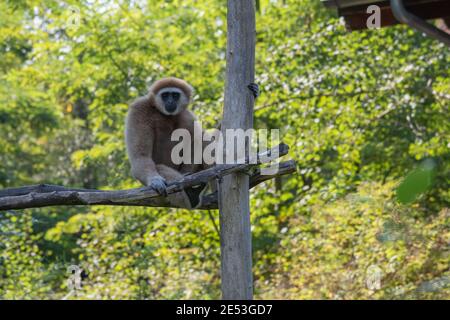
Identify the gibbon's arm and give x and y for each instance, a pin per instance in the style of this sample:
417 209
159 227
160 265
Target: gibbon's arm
139 138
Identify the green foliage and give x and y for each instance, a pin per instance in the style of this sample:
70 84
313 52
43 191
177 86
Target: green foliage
365 114
416 182
331 253
22 271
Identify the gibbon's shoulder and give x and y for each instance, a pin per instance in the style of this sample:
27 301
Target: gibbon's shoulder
144 104
142 110
187 116
140 102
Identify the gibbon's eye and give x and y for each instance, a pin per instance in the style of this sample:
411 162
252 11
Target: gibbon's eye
165 95
176 95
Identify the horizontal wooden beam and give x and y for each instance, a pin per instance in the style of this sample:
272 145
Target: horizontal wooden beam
53 195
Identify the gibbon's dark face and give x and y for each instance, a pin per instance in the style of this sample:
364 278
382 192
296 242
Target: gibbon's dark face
170 100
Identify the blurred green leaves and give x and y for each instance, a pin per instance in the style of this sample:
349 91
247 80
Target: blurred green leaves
417 182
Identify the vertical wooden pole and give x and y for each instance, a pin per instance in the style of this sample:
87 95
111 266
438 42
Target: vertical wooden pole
235 234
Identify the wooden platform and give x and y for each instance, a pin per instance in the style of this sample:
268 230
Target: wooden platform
355 11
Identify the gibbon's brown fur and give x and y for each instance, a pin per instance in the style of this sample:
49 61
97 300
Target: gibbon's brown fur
149 126
172 82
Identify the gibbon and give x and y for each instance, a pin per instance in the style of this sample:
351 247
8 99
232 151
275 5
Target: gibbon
150 121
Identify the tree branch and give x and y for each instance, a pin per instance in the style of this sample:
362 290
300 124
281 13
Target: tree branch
52 195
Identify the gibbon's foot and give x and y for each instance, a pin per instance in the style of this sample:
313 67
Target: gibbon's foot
195 194
159 185
254 88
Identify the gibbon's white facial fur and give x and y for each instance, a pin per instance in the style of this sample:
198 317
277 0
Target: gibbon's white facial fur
171 100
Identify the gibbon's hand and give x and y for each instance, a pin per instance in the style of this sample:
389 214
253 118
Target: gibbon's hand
254 88
158 184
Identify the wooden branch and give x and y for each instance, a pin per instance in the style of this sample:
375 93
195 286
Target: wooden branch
39 188
210 201
53 195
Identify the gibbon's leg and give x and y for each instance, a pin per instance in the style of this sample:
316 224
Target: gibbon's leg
189 169
186 169
189 198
